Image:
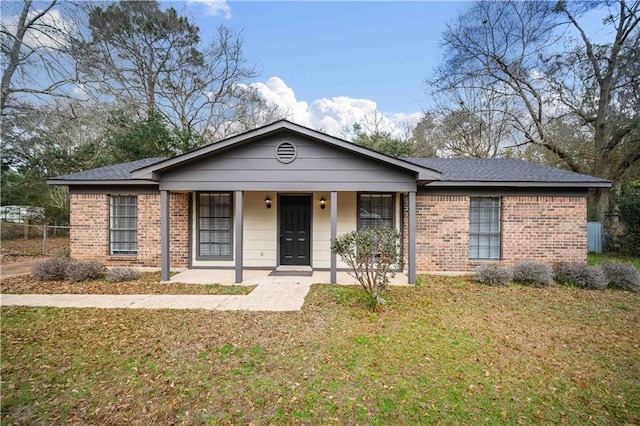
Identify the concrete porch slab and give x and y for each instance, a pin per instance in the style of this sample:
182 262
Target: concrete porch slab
255 277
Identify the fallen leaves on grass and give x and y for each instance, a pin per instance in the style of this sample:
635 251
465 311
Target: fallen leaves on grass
147 283
447 352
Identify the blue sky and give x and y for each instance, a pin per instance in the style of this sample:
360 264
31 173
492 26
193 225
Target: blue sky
337 51
330 64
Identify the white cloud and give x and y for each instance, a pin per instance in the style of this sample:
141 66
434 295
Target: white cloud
215 7
50 31
277 92
410 119
334 116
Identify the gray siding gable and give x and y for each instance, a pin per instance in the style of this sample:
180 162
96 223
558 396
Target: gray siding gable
284 129
317 167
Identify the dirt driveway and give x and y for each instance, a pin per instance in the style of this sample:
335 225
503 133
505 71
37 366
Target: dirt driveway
14 269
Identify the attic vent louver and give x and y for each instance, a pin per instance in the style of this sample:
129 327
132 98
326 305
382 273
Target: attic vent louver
286 152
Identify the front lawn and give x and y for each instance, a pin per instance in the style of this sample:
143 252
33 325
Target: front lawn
599 258
448 351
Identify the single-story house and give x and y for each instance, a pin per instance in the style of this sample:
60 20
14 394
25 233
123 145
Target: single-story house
275 197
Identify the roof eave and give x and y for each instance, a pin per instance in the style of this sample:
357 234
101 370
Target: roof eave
93 182
601 184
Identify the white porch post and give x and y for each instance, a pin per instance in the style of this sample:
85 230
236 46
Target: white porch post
238 237
411 240
165 246
334 234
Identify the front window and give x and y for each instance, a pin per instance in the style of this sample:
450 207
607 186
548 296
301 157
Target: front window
484 228
375 211
123 225
215 225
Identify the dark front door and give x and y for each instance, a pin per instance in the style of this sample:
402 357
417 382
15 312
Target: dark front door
295 230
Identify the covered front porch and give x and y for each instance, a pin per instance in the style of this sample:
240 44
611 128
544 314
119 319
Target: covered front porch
279 234
278 196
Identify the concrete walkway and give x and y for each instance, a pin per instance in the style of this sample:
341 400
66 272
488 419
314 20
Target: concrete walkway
276 296
273 293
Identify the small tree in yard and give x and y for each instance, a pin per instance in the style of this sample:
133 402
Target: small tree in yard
371 254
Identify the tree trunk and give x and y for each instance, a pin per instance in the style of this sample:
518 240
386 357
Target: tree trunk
599 205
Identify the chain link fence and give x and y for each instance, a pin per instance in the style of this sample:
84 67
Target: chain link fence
33 239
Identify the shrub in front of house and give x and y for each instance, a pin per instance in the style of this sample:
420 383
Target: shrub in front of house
532 273
120 274
493 274
79 270
372 254
621 275
580 275
52 269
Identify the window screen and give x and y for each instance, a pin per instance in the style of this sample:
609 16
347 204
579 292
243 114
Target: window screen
123 224
214 225
484 228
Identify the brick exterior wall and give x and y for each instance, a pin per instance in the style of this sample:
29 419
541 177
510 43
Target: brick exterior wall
89 220
547 229
89 235
179 232
148 232
442 238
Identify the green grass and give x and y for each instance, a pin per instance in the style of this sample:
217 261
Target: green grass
448 352
598 258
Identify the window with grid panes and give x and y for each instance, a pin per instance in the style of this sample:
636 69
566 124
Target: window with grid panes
376 211
215 225
484 228
123 224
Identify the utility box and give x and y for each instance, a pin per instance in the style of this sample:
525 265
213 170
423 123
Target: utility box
594 237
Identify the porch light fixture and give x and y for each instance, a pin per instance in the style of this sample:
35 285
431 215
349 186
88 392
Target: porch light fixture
267 202
323 203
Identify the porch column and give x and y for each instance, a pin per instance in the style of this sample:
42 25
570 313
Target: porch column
239 226
165 248
411 240
334 234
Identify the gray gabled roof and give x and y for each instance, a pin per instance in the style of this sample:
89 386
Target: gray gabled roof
504 172
423 173
435 171
117 173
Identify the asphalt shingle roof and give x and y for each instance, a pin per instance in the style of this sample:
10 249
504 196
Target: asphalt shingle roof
499 170
452 169
120 171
